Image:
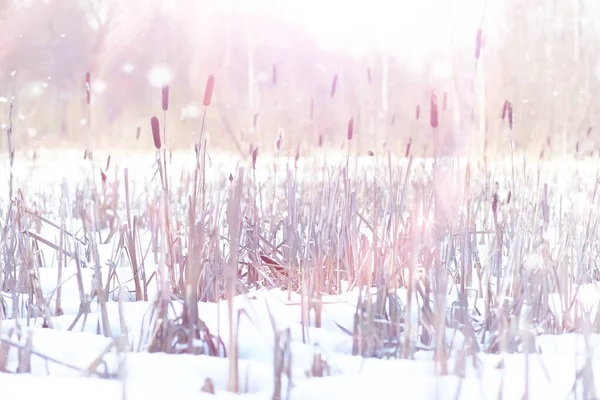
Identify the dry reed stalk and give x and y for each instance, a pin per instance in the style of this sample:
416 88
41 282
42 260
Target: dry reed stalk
231 274
88 89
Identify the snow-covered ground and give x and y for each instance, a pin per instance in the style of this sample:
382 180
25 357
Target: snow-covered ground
76 363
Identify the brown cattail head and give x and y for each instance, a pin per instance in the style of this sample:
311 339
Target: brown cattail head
370 153
589 131
88 89
255 120
478 44
508 197
369 76
577 147
445 101
107 163
504 109
297 156
350 128
495 201
407 153
274 74
137 133
254 157
334 84
165 97
155 132
103 177
320 140
510 116
208 90
418 112
230 177
433 119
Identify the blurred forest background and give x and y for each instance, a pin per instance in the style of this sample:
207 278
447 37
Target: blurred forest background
272 73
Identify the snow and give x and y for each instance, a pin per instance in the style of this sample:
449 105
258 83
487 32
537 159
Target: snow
62 365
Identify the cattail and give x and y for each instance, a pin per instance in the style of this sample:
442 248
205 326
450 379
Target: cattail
274 74
312 108
320 140
297 156
510 116
407 153
208 90
279 140
369 76
548 141
445 102
350 128
370 153
589 131
495 204
418 112
542 154
577 147
255 120
137 133
478 44
103 177
230 178
165 97
334 85
155 132
508 197
88 89
433 119
504 109
107 163
85 154
254 157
